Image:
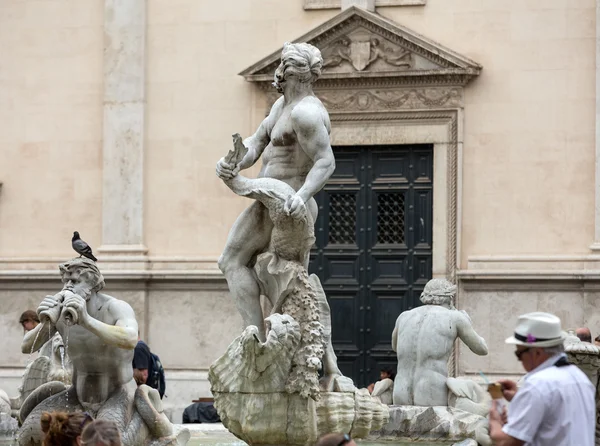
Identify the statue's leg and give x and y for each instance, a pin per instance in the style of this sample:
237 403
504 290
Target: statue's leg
31 433
249 235
138 415
313 210
119 406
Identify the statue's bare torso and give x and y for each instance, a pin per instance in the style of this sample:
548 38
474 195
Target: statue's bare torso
99 369
293 141
423 338
284 158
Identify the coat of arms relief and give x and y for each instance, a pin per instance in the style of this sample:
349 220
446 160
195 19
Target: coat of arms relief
361 52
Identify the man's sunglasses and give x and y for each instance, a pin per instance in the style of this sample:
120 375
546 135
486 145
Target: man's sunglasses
345 440
520 353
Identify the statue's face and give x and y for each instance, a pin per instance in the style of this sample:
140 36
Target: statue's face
79 281
279 79
284 77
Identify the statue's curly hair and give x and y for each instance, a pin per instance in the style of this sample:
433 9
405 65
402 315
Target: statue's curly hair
88 266
303 60
62 428
438 292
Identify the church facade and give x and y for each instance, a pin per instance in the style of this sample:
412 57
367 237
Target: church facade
465 142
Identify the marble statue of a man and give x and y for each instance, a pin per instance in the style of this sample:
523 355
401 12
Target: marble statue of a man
295 147
100 334
423 339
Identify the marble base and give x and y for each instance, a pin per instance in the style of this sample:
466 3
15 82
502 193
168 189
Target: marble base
439 423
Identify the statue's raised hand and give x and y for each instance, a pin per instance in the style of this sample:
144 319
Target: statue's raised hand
74 303
226 171
49 308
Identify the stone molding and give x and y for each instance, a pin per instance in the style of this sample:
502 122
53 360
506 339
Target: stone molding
565 268
596 244
123 272
336 4
123 128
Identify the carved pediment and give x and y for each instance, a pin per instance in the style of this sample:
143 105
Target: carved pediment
361 47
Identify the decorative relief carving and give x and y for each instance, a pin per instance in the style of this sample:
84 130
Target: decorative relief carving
383 100
335 4
346 100
361 54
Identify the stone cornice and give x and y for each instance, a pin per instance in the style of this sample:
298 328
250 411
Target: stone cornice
166 270
443 66
550 268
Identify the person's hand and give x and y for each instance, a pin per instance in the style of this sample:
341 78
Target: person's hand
509 388
45 307
295 207
77 303
226 171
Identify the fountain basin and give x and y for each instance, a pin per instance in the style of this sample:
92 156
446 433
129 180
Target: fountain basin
217 435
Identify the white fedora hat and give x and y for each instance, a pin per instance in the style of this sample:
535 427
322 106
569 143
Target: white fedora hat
538 330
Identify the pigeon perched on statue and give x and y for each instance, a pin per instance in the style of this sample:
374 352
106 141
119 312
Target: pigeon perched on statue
81 247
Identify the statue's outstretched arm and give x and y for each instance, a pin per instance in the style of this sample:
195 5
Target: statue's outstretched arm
309 123
469 336
36 338
123 334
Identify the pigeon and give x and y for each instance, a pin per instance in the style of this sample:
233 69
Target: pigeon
81 247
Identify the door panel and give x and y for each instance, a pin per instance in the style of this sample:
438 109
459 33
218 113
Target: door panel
373 249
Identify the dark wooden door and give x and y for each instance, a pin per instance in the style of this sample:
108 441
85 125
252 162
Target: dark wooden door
373 249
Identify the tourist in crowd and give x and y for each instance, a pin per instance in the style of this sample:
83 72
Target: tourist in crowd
584 334
62 428
29 320
335 440
101 433
384 373
384 388
147 368
142 362
555 406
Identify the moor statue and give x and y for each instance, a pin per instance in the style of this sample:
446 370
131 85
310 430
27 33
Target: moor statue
99 333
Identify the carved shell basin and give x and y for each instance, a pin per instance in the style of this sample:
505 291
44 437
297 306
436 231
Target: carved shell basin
288 419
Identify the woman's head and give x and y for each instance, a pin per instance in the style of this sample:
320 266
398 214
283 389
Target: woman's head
101 433
62 428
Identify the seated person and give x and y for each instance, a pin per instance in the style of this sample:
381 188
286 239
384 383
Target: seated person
384 388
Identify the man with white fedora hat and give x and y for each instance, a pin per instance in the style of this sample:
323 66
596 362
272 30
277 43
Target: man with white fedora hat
555 406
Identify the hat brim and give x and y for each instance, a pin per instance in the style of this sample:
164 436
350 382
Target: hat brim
550 343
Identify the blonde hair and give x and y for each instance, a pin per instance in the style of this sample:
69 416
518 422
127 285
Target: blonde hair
101 432
62 428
